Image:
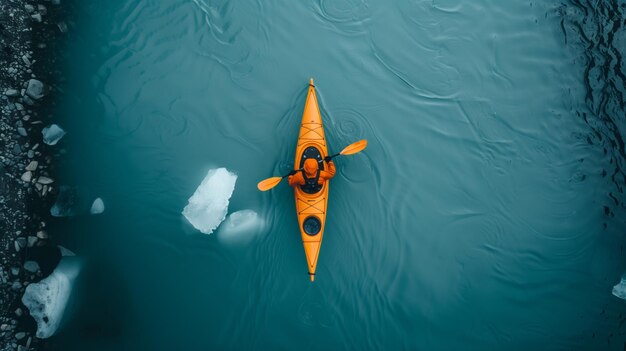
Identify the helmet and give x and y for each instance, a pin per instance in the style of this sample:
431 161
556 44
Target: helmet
310 167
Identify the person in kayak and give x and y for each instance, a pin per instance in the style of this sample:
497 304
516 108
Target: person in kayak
311 174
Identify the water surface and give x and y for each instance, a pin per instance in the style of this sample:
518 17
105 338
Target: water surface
479 217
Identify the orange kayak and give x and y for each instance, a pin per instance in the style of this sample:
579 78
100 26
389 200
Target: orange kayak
311 203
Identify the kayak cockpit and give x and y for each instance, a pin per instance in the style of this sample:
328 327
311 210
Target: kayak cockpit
314 153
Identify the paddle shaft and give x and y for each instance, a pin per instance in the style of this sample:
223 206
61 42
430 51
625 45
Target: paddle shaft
288 174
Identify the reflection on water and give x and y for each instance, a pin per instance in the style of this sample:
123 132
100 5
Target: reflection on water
596 31
486 212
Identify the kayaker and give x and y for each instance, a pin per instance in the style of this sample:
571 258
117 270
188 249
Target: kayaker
311 174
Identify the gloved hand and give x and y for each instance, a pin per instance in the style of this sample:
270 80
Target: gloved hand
293 172
327 158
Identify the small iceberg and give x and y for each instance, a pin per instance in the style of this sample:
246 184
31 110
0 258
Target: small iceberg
97 206
241 227
208 205
48 299
619 290
52 134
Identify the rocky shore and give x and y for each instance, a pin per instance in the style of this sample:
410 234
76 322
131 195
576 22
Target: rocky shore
30 32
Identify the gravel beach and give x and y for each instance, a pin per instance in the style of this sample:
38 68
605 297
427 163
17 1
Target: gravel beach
30 32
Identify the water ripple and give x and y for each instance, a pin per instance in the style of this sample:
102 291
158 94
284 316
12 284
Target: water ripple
347 17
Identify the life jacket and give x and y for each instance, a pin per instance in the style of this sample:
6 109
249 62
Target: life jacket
311 166
311 183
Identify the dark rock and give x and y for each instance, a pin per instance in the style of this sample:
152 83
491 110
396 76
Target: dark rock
32 240
21 242
44 180
26 60
28 101
35 89
31 266
27 176
32 166
11 92
62 27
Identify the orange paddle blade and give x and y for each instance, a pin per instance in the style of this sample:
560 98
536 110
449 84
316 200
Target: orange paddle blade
269 183
354 147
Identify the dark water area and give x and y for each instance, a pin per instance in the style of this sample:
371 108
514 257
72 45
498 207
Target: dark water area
487 212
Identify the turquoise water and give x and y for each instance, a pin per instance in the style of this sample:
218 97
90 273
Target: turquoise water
480 217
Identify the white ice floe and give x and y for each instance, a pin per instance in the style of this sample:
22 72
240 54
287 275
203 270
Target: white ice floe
619 290
97 206
48 299
208 205
52 134
241 227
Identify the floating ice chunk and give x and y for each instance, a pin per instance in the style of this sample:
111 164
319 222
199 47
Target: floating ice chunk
242 222
619 290
240 227
65 251
47 299
208 206
52 134
97 206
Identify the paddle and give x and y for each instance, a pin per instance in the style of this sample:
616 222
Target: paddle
351 149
